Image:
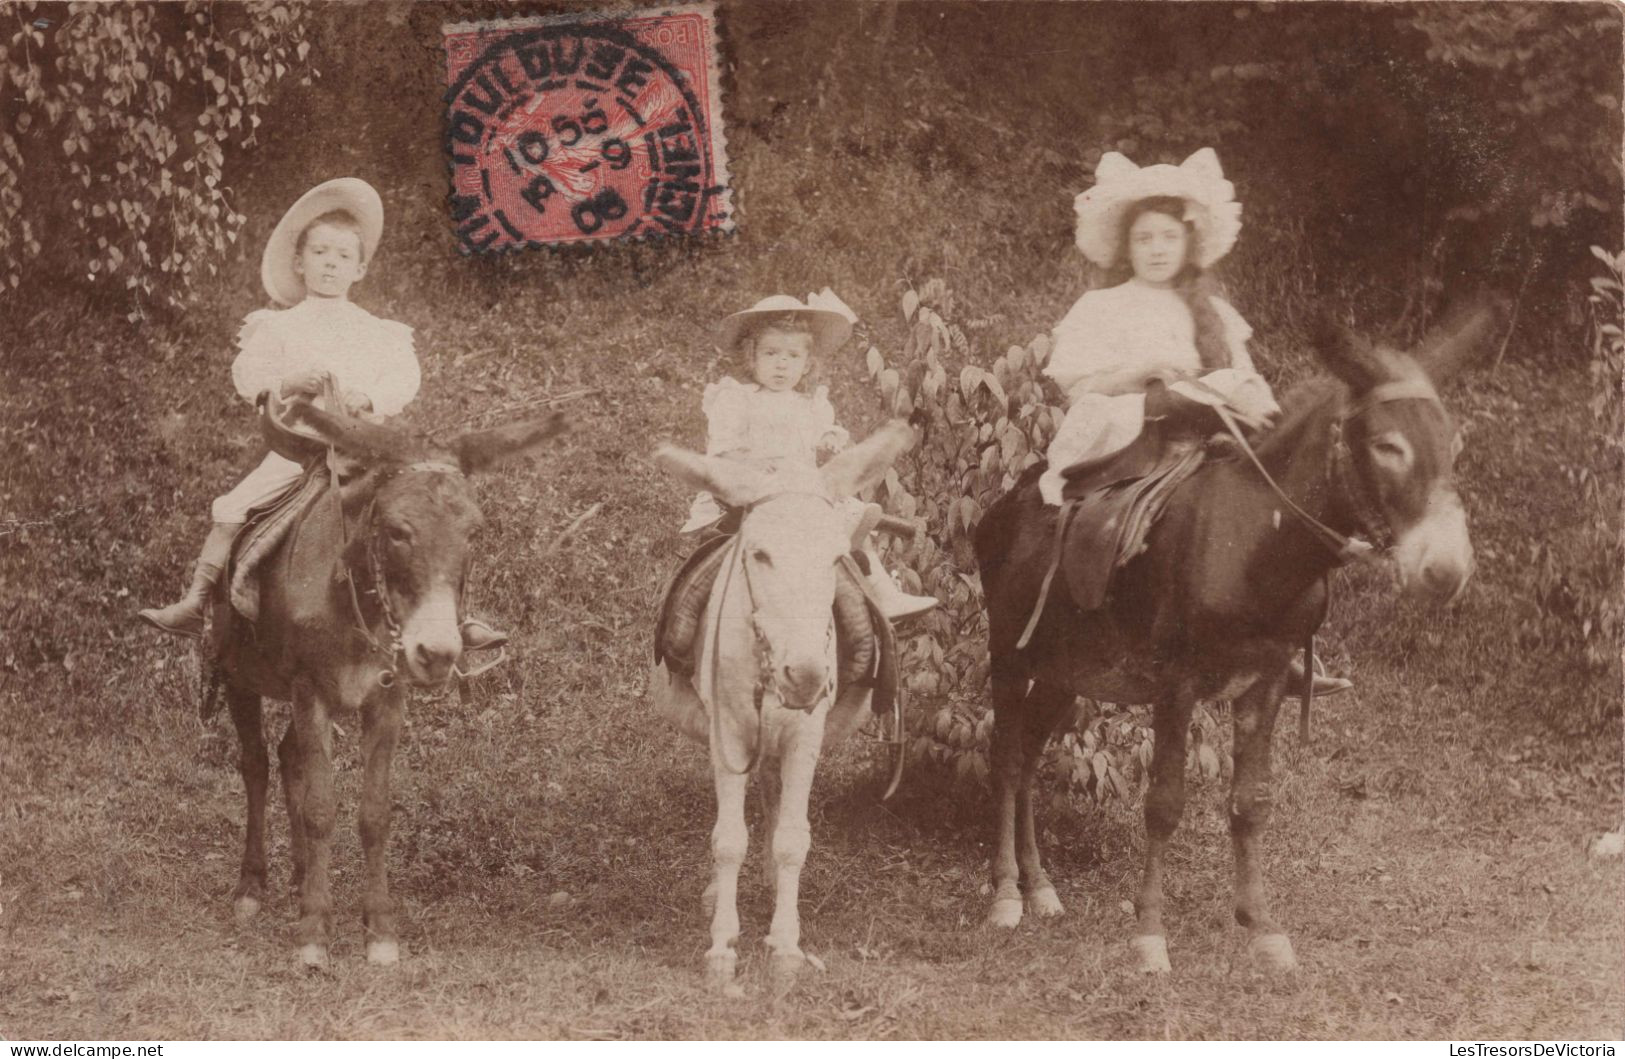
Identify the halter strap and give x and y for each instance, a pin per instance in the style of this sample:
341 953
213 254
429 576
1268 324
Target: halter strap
1414 388
391 648
1346 548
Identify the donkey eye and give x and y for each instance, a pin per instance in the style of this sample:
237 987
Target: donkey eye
761 557
398 534
1391 449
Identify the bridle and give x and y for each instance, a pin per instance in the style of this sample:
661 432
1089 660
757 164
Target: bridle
761 648
1375 534
390 645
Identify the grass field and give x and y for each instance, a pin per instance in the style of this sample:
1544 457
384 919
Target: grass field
1429 848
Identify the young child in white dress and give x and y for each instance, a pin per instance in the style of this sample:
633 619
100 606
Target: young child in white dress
770 423
1127 353
322 246
1157 229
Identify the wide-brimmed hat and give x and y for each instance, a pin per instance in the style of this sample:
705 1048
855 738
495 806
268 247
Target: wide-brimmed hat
1210 204
830 318
350 194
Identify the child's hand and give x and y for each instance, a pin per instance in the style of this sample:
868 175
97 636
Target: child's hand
306 383
832 442
354 403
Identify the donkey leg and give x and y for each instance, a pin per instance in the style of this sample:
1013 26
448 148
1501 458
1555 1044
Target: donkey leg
1009 691
380 731
729 841
767 794
1046 707
319 811
1164 804
1251 798
293 792
792 838
254 763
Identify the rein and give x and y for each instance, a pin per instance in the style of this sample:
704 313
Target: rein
1345 548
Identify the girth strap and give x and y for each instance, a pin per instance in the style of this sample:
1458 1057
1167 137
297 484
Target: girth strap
1062 521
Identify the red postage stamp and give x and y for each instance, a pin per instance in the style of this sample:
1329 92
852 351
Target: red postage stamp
583 127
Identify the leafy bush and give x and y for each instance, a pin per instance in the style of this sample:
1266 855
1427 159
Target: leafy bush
1581 596
145 100
985 426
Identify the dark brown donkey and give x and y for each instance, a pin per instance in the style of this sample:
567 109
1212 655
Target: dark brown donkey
1231 583
361 598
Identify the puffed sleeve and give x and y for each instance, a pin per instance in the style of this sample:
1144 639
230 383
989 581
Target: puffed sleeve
827 433
724 405
262 357
1086 358
397 376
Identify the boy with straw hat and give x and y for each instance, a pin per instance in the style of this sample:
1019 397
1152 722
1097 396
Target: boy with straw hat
320 248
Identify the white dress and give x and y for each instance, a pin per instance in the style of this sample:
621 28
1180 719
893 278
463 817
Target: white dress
1110 345
765 429
366 355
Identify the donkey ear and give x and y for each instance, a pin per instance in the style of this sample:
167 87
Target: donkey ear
480 450
731 482
866 463
281 423
1346 355
1462 334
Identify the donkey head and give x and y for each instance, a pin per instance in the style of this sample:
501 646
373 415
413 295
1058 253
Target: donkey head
789 540
415 517
1402 446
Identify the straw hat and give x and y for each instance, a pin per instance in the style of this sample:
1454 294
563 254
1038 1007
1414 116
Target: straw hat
1210 204
830 318
350 194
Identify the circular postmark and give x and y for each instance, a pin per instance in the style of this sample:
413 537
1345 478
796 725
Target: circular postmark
577 131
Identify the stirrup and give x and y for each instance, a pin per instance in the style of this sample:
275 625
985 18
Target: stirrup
1325 685
480 636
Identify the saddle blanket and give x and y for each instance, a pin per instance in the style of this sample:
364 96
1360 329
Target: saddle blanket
1109 523
266 529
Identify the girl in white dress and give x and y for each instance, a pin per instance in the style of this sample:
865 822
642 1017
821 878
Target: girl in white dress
1157 229
1122 353
771 424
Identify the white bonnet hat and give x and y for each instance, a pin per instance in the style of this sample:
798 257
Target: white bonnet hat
1210 204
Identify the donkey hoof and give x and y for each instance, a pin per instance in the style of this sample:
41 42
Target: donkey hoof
384 953
719 970
245 908
313 955
1273 952
1045 903
1005 913
785 966
1152 952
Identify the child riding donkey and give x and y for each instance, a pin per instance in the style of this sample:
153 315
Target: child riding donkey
322 344
771 424
1161 345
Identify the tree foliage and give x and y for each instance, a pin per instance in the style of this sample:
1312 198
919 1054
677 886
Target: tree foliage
121 126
